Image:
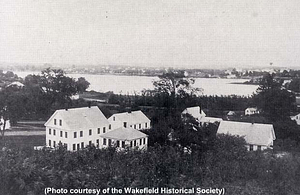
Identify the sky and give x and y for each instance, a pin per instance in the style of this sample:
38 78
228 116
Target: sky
164 33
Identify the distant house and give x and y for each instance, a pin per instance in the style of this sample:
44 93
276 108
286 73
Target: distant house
231 113
251 111
16 84
195 112
257 136
76 128
200 116
207 120
298 102
125 137
135 119
296 118
7 124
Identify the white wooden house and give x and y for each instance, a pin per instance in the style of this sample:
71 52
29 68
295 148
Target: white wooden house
135 119
296 118
257 136
200 116
7 124
251 111
195 112
124 137
76 128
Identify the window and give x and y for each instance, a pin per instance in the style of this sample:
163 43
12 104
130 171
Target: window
81 133
118 143
144 140
54 132
90 143
82 145
60 122
140 126
49 131
74 146
75 134
134 127
61 133
54 121
49 143
104 141
130 143
78 146
134 142
109 142
98 130
97 141
114 118
90 132
109 126
66 134
125 124
146 125
251 148
104 130
123 144
258 147
65 146
140 141
54 143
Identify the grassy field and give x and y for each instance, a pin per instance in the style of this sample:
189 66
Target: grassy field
22 141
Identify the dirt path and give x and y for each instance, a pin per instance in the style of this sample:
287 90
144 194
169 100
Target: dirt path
23 133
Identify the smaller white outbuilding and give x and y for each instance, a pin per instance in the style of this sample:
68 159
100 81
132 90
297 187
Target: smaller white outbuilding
296 118
251 111
195 112
7 124
200 115
257 136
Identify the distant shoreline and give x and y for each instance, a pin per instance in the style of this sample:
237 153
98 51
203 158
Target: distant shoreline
243 83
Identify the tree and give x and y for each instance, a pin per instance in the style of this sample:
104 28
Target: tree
50 91
82 84
11 105
294 85
176 86
274 100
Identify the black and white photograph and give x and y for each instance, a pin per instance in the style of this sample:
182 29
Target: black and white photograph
149 97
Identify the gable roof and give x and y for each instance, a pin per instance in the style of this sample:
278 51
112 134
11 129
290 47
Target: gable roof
210 120
124 134
81 118
298 100
251 109
194 111
132 117
253 133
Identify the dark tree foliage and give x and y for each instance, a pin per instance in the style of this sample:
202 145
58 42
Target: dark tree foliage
172 87
274 100
226 164
294 85
50 91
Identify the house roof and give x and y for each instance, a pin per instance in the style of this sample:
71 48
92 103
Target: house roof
124 134
210 120
298 100
253 133
132 117
251 109
81 118
194 111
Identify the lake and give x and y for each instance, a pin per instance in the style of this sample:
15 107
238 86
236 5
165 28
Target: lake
135 84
